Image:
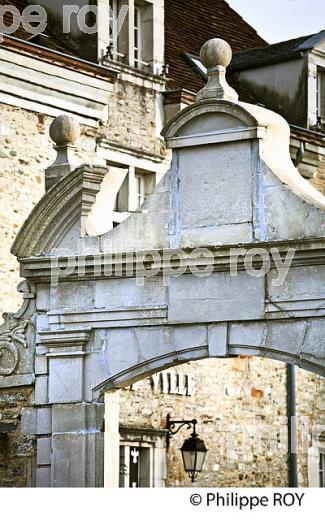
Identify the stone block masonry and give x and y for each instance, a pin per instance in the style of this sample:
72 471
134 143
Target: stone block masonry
227 412
133 119
25 151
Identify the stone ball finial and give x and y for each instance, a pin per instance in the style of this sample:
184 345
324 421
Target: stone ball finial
216 55
216 52
64 130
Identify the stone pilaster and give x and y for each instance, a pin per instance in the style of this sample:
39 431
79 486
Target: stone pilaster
70 440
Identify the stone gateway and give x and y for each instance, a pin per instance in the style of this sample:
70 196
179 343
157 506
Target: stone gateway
113 322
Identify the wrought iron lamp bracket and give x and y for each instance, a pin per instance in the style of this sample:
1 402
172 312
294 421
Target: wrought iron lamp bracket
174 427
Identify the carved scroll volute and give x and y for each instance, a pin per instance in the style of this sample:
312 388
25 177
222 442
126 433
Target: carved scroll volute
9 345
13 333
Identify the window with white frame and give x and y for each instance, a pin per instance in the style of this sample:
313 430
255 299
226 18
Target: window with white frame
135 466
143 457
316 462
137 37
131 33
113 15
145 185
118 47
321 95
140 189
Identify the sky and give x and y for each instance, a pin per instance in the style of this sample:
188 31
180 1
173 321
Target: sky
279 20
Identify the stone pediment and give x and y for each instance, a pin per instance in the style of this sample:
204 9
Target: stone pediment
209 118
231 181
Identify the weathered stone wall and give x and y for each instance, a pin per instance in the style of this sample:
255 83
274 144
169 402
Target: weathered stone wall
25 151
132 118
17 451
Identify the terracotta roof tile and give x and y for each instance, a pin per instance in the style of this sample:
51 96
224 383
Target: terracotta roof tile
189 23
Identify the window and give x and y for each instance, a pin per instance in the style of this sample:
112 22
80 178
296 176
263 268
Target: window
140 189
197 65
135 466
113 13
117 45
316 462
145 184
137 185
322 468
137 38
143 36
131 36
143 461
321 95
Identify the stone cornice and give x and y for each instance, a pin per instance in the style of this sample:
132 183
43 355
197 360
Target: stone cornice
36 269
134 75
102 318
64 343
48 82
51 338
106 144
221 136
52 56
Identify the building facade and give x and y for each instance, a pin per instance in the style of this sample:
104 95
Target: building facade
119 88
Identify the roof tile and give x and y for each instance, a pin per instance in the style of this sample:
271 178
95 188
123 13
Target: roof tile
189 24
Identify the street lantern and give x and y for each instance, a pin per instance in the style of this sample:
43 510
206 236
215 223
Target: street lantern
193 453
193 450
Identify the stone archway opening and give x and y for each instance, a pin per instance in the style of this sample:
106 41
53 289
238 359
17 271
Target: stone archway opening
243 409
294 342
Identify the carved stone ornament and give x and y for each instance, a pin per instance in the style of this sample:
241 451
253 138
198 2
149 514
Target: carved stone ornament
13 332
9 344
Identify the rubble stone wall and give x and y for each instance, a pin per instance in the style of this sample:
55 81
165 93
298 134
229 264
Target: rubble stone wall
17 451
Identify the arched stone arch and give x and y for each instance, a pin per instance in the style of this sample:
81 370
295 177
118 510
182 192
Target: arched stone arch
297 343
